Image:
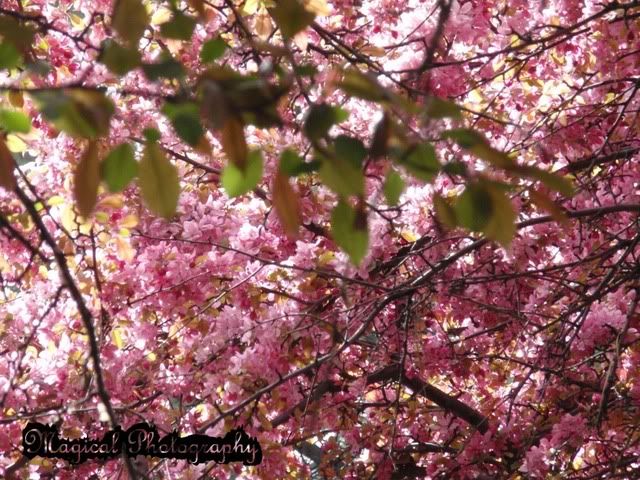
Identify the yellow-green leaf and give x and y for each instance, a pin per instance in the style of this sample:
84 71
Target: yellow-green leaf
14 121
119 167
251 7
159 182
185 119
9 55
119 59
165 66
349 230
440 108
180 27
15 144
291 17
291 164
320 118
342 176
444 211
238 182
393 187
478 145
473 209
130 18
553 181
319 7
421 161
212 49
360 85
502 224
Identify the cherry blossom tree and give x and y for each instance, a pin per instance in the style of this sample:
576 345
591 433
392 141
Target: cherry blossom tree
389 239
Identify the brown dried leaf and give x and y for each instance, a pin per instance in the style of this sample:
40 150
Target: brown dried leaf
234 142
86 180
7 165
285 201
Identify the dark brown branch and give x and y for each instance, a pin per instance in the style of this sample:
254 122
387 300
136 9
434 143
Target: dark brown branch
610 376
85 314
595 161
445 10
11 232
391 372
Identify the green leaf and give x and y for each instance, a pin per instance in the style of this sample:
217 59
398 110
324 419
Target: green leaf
212 49
119 167
455 168
247 93
421 161
151 134
224 76
320 118
349 231
306 70
479 146
39 67
14 121
78 112
351 149
9 56
502 224
464 137
290 161
393 187
159 182
180 27
119 59
166 67
130 19
291 164
238 182
291 17
552 180
357 84
474 207
265 116
439 108
342 176
185 119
